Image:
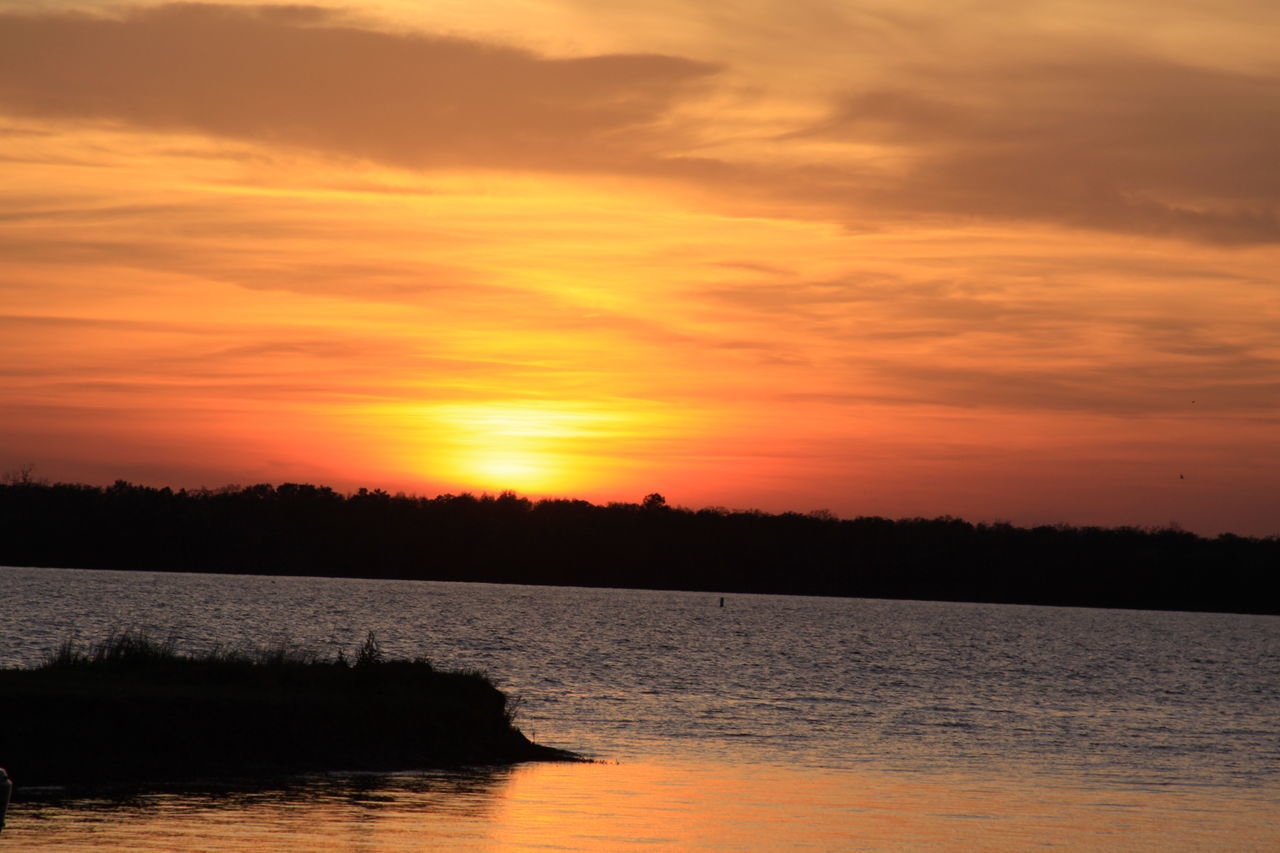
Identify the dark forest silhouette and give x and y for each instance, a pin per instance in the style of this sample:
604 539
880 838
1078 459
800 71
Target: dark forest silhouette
313 530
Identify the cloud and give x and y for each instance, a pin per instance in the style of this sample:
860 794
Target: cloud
309 77
874 300
1237 386
1112 141
226 240
1137 340
1021 124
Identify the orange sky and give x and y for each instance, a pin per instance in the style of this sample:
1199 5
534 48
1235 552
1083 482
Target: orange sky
1011 261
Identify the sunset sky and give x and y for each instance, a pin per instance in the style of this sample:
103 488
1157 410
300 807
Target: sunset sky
1002 260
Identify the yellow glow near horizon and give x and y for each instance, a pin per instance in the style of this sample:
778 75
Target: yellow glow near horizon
526 447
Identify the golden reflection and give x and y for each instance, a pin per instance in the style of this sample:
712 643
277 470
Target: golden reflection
687 805
707 805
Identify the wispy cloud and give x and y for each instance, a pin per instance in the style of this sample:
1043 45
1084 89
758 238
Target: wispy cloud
1086 138
310 77
1107 136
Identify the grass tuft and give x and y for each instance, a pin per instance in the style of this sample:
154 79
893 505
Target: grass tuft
119 649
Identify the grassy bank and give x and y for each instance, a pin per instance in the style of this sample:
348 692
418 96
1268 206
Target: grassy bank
133 709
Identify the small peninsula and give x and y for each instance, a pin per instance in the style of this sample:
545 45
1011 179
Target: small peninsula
132 710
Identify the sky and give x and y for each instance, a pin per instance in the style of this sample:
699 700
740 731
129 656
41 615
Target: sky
1005 261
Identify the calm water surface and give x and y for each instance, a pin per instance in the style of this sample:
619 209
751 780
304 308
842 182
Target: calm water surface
772 723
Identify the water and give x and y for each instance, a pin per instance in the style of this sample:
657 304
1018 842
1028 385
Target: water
772 723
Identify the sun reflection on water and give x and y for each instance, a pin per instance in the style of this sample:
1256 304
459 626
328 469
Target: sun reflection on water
643 806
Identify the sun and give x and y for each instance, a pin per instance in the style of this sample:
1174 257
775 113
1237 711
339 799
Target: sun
535 447
526 447
519 471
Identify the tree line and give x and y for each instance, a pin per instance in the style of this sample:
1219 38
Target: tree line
298 529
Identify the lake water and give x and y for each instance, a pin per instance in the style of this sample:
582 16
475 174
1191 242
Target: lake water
771 723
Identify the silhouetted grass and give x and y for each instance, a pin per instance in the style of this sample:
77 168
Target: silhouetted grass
132 708
133 650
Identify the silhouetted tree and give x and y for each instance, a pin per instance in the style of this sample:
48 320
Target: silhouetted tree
304 529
